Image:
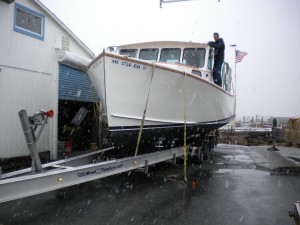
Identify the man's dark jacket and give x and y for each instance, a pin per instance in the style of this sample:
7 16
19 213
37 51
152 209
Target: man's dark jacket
219 47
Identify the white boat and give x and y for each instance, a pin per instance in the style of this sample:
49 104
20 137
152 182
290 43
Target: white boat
167 72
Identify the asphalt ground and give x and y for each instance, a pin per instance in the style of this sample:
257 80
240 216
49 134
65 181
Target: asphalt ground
240 185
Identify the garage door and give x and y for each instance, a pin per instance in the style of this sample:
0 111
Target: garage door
74 85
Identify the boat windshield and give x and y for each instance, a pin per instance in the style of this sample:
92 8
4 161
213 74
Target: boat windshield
128 52
149 54
194 57
170 55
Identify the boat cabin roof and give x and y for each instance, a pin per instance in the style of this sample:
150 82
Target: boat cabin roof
192 54
164 44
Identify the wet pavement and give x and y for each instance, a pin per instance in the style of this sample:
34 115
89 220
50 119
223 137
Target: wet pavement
239 186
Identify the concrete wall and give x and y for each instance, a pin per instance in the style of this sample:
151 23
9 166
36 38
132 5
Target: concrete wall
29 78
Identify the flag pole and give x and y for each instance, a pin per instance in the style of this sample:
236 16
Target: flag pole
234 65
235 68
234 46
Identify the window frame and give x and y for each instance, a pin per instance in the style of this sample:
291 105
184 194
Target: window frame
196 48
210 61
161 51
25 31
133 49
148 49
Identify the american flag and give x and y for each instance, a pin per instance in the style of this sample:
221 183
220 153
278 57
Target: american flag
239 56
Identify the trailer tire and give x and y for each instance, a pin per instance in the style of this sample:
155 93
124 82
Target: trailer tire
199 158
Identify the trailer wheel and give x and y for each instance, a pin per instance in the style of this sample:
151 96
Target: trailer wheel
199 157
206 150
210 150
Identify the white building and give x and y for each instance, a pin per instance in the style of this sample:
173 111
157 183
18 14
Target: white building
33 74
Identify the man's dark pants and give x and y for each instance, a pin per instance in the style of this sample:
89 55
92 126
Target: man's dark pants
217 72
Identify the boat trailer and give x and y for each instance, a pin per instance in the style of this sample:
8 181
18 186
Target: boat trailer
79 169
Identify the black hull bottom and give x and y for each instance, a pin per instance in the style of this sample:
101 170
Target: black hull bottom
159 137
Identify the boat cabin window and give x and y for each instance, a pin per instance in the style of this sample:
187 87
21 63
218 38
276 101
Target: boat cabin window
194 56
128 52
210 60
170 55
149 54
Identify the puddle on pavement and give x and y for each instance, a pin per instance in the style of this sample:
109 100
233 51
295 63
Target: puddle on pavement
235 158
257 172
241 172
228 157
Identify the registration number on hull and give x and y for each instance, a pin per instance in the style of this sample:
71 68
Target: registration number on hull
128 64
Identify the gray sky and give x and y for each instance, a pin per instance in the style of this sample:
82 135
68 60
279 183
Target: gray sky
269 30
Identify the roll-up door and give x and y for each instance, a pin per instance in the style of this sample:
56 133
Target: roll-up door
74 85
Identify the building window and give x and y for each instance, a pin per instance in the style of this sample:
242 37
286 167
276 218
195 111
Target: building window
29 22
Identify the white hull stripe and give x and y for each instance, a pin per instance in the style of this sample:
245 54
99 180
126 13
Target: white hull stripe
172 125
151 119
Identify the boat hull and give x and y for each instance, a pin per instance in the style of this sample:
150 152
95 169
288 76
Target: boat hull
125 84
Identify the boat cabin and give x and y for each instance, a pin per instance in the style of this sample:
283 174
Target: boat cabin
189 56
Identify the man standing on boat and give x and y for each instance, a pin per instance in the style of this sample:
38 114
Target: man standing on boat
219 47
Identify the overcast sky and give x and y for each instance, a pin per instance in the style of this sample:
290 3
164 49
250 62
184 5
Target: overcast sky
268 78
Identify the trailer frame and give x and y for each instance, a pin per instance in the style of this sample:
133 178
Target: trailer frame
76 170
82 168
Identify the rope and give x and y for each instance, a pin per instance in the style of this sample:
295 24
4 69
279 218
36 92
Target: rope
184 135
144 114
